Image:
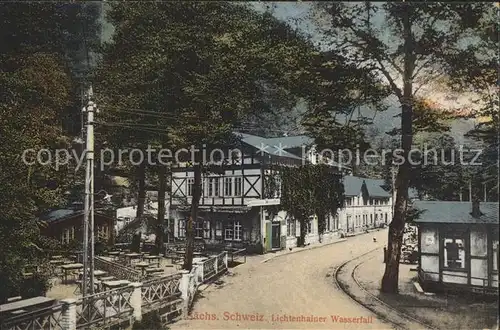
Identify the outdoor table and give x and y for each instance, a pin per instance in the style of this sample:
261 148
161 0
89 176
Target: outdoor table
114 254
155 260
97 273
107 278
199 259
115 284
56 262
70 267
130 256
142 265
26 304
154 270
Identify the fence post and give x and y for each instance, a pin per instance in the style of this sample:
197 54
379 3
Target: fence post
199 266
184 288
136 301
215 264
225 259
68 317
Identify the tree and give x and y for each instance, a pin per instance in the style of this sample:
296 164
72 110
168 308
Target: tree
404 42
310 190
170 85
475 70
37 95
33 94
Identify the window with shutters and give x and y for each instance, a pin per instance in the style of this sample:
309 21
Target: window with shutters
238 231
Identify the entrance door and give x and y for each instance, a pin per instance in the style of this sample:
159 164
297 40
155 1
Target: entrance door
276 236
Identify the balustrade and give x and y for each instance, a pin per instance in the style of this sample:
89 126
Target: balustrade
109 308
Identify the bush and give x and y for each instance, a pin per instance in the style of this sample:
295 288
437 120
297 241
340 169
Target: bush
35 286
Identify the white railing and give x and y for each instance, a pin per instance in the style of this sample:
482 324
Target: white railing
105 309
117 270
162 293
46 318
124 305
213 266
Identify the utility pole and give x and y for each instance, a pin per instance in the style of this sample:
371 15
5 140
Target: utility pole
470 190
88 221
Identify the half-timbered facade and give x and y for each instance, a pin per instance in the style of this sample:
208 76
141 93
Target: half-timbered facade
458 245
233 203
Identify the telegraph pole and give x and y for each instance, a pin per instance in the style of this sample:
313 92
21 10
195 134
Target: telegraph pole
88 221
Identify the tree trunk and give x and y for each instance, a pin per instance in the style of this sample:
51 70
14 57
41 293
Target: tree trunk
160 232
195 202
396 228
141 199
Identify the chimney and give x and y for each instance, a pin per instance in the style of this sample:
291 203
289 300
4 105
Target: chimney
476 212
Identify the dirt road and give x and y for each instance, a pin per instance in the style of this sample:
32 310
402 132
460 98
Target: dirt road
293 291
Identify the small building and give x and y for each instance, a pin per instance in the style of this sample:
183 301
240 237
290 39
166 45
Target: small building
368 204
458 244
66 226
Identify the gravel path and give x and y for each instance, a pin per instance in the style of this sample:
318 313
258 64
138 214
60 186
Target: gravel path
267 295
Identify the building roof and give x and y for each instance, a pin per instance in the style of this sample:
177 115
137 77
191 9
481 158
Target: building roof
375 188
353 185
290 142
63 214
268 146
56 215
455 212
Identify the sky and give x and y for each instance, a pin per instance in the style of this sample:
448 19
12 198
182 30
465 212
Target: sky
298 14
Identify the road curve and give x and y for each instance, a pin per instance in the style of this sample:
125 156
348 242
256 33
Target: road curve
294 291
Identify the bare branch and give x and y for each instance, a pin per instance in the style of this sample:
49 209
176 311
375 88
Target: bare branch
425 82
417 70
388 76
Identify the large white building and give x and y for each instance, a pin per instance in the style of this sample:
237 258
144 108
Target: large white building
234 207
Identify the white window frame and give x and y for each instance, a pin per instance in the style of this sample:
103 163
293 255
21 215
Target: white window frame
206 229
291 227
181 228
237 231
495 256
229 231
198 228
219 228
238 186
461 252
228 186
190 185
